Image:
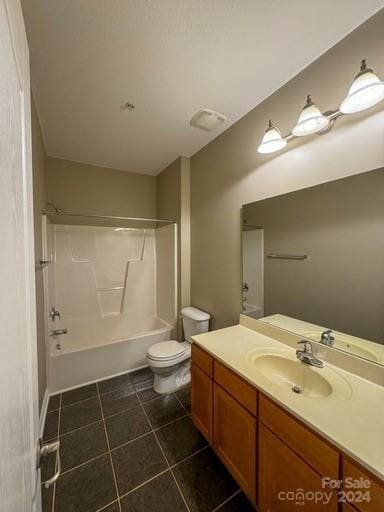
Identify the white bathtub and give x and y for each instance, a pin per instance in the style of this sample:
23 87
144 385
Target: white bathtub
70 367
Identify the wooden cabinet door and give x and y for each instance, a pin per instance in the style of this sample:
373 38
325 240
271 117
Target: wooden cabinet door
201 401
347 508
286 483
234 439
364 499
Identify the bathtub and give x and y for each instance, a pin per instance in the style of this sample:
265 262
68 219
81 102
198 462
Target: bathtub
74 365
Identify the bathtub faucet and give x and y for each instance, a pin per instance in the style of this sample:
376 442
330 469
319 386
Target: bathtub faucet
57 332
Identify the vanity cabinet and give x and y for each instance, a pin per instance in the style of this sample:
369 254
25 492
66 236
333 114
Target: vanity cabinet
322 457
375 490
347 508
286 482
266 449
234 439
292 458
202 392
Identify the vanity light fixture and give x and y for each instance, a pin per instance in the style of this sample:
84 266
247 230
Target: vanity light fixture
311 120
272 140
366 91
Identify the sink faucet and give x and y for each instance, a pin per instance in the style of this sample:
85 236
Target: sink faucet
328 338
307 356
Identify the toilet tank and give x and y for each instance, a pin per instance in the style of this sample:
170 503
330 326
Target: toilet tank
195 322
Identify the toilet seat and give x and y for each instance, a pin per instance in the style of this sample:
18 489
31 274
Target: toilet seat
168 353
166 350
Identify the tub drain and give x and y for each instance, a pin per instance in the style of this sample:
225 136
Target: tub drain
296 389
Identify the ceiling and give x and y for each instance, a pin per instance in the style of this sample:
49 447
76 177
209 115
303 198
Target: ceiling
170 58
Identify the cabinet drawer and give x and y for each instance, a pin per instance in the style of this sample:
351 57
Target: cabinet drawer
202 359
376 489
318 454
237 387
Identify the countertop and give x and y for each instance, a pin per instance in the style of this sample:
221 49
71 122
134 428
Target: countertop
354 423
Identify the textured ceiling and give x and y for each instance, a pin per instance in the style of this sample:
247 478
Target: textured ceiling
170 58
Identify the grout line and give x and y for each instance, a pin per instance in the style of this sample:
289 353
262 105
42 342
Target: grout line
166 460
149 432
80 428
96 421
116 414
126 443
121 412
144 483
64 434
131 441
181 403
155 429
109 449
104 507
152 431
151 399
85 462
226 501
98 381
79 401
189 456
58 438
53 410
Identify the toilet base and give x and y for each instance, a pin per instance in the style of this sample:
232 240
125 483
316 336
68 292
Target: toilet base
181 377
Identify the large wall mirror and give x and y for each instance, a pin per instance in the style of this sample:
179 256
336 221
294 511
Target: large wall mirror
313 263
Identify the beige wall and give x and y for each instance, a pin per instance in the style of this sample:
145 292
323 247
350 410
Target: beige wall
229 172
39 200
82 188
173 203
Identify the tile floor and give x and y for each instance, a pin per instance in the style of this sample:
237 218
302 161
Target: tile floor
124 448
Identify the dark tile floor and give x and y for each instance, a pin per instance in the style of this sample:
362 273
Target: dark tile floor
124 448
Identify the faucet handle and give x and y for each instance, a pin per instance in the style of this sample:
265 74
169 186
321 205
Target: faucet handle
307 346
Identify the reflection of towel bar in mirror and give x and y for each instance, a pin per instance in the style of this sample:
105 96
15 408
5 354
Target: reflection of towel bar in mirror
278 256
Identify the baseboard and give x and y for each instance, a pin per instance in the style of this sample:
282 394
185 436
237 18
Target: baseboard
43 412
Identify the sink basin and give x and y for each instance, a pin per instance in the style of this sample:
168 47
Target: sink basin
345 343
284 370
293 375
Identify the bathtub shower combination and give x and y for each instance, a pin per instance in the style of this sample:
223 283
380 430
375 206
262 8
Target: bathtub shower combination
114 290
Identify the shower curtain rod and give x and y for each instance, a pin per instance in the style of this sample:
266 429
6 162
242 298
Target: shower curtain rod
114 217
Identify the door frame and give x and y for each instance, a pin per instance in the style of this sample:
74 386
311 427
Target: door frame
18 39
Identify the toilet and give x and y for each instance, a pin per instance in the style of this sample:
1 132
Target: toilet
170 361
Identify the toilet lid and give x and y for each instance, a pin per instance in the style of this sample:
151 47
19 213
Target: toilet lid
166 350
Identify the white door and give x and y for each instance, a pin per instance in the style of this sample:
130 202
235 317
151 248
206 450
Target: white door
19 491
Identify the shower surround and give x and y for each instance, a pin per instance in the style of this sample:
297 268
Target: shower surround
115 289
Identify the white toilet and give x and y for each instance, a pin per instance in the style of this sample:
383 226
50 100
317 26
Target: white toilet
170 361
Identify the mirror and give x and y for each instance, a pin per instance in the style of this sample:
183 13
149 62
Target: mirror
313 263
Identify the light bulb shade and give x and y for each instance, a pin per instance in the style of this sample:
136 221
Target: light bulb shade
272 140
311 120
366 91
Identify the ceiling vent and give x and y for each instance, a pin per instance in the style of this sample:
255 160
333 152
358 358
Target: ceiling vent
207 119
